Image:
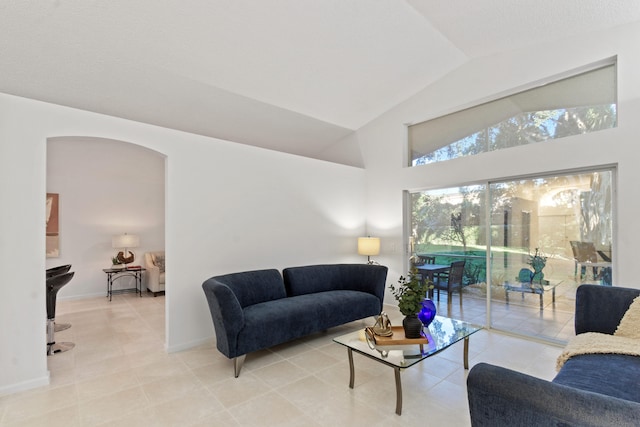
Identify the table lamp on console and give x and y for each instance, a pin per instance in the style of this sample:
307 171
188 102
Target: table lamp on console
125 242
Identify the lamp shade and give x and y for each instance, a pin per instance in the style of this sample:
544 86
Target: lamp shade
368 246
125 241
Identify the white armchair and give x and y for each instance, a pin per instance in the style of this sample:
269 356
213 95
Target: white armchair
154 263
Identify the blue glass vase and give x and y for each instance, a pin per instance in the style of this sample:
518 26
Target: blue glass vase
427 313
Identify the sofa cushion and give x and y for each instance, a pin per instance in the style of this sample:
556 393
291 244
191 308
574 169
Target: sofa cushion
597 343
590 300
254 287
613 375
283 320
320 278
340 307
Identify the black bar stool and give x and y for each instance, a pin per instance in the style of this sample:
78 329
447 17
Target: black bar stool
54 271
54 284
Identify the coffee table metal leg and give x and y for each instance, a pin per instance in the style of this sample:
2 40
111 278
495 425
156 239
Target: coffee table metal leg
466 353
398 392
351 371
398 382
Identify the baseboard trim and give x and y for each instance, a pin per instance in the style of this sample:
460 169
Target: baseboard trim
25 385
189 345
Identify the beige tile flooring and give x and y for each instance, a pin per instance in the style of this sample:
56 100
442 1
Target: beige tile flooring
118 374
522 315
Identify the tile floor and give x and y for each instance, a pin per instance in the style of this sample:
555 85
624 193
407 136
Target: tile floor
522 315
118 374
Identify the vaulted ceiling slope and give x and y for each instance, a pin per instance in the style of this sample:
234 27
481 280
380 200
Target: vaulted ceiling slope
296 76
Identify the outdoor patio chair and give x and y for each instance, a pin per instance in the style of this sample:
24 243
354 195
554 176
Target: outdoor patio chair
451 281
583 254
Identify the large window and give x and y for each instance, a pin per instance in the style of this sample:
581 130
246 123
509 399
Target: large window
498 227
579 104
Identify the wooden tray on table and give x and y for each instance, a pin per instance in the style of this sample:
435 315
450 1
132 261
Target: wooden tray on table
398 338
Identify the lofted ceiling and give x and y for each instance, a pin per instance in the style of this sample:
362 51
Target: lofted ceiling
295 76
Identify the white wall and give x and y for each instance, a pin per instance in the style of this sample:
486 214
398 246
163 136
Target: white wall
229 207
384 139
106 188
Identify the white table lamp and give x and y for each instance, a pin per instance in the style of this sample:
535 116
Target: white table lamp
125 241
369 246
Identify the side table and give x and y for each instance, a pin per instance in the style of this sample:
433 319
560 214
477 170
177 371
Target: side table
533 288
114 274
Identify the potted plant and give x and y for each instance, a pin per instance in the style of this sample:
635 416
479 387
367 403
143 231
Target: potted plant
116 263
410 292
537 262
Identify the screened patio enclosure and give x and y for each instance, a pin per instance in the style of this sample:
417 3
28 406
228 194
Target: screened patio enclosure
498 228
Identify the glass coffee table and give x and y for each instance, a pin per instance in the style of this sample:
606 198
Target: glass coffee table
442 333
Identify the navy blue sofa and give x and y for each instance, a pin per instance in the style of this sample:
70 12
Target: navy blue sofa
589 390
255 310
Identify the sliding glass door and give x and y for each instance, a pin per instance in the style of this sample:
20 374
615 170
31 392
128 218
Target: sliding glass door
527 244
450 225
538 226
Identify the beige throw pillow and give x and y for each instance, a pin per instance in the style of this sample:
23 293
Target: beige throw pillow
159 262
629 326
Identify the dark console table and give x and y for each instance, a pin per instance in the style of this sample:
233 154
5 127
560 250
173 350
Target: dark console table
114 274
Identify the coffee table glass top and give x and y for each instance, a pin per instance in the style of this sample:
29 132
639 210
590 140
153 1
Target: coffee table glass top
442 333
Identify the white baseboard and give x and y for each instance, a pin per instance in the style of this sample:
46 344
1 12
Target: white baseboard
25 385
189 345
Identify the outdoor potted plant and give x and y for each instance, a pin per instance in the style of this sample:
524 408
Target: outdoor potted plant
410 292
537 262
